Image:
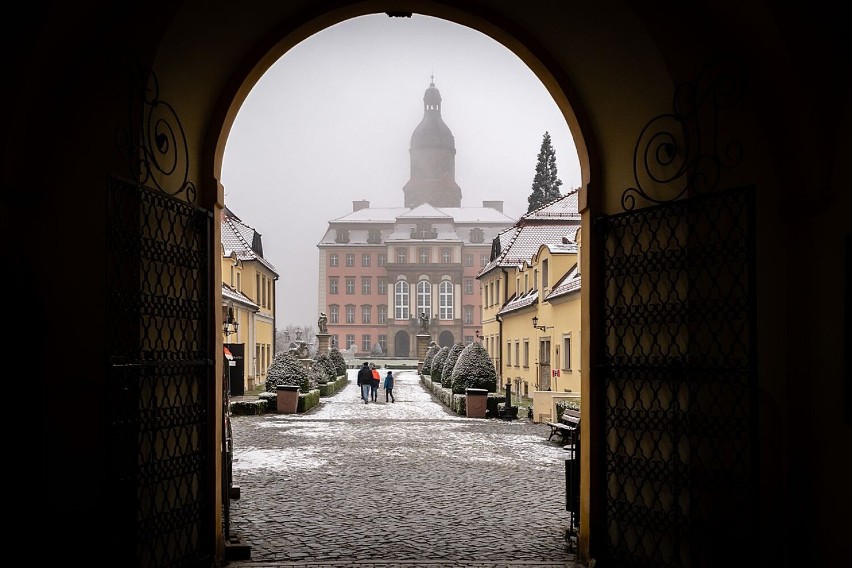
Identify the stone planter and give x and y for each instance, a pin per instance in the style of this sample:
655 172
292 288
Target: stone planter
288 399
476 403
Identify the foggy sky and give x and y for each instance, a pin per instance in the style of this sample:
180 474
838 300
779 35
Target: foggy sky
331 122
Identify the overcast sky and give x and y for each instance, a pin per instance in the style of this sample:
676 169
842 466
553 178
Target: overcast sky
331 122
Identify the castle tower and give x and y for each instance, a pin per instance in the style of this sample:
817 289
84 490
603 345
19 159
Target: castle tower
433 158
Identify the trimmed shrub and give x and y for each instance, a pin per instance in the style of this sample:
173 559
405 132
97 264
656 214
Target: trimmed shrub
287 369
474 369
438 364
325 368
339 362
427 359
450 363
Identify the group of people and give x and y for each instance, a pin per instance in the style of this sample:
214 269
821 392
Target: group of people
369 381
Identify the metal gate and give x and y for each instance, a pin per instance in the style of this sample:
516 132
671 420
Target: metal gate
160 373
678 378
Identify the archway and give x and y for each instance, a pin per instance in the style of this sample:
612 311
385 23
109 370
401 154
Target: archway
401 344
446 339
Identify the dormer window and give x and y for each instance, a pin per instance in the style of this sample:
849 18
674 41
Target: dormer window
424 231
342 236
476 235
374 237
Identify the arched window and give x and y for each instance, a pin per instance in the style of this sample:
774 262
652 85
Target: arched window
446 296
424 298
400 300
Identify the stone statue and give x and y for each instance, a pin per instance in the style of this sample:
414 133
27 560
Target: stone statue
321 322
424 322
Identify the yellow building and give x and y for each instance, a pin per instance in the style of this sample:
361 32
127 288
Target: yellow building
531 304
248 304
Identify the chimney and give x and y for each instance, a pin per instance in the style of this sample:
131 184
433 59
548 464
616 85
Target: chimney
361 204
497 205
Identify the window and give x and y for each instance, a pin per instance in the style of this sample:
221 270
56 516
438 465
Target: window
468 287
544 271
334 314
366 343
476 235
239 282
468 260
401 300
401 255
342 236
350 285
374 237
335 341
445 290
350 259
332 285
350 314
366 286
383 287
333 260
366 312
468 339
468 314
517 354
424 298
350 340
483 260
526 353
508 353
365 259
383 314
446 255
381 259
423 255
566 352
383 343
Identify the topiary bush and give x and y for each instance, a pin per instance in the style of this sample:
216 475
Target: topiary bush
325 368
450 363
339 362
438 364
286 369
426 369
474 369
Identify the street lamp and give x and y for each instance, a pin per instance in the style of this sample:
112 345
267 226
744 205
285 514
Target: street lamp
231 324
541 327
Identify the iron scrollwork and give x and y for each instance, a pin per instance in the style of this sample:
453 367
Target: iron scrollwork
680 153
154 141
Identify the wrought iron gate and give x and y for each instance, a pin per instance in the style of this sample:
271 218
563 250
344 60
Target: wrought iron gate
159 379
677 373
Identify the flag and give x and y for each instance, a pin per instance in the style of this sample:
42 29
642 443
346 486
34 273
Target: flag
228 354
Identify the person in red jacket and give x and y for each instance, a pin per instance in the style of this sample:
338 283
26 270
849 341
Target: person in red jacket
374 384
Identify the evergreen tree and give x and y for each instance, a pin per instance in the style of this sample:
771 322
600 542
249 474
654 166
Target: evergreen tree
545 186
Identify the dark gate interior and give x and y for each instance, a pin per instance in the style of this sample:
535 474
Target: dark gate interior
678 378
160 372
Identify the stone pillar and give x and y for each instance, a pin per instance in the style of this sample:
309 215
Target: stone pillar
423 340
323 342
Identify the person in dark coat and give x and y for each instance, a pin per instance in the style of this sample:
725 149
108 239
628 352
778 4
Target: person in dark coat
389 387
365 380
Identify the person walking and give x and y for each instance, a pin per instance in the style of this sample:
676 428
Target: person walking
374 384
389 387
365 381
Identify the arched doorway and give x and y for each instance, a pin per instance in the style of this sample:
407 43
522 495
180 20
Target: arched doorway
446 339
402 344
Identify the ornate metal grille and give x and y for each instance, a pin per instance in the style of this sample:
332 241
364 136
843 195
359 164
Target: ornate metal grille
160 377
678 379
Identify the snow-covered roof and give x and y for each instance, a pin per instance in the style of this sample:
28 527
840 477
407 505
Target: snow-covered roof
238 239
567 284
230 294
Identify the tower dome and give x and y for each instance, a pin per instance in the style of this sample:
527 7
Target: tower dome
433 158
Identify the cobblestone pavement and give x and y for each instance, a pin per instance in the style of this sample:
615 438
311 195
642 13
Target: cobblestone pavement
405 484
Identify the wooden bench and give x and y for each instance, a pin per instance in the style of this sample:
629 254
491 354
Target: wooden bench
567 427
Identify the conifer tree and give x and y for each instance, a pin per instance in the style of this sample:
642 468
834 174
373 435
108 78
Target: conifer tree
545 186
